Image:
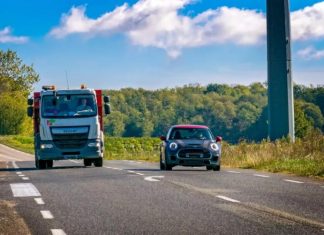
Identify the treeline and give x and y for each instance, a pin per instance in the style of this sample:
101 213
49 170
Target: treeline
16 80
234 112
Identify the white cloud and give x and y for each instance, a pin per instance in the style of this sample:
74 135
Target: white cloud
158 23
6 37
308 23
311 53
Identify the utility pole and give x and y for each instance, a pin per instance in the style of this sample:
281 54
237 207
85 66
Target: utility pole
280 85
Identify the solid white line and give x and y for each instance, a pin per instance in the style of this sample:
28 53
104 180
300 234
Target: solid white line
263 176
58 232
15 165
47 215
235 172
21 175
39 201
227 199
25 178
117 169
18 172
24 190
294 181
139 173
108 167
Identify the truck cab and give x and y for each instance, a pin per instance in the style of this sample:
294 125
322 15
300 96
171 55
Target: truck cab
68 124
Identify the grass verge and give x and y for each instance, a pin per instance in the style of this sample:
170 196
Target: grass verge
305 157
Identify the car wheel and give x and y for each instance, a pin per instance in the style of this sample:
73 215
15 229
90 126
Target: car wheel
87 162
49 163
209 168
216 168
168 167
162 166
42 164
98 162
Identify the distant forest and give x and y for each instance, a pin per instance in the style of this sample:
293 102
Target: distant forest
234 112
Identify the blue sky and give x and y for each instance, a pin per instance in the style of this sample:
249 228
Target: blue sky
156 43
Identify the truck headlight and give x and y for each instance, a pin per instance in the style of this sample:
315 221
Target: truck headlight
214 146
94 145
173 146
46 146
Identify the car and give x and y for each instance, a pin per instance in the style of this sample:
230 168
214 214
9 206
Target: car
190 145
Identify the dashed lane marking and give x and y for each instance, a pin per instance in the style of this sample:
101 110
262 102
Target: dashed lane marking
293 181
21 175
139 173
235 172
24 190
39 201
58 232
118 169
108 167
18 172
25 178
263 176
131 171
47 215
154 178
15 165
227 199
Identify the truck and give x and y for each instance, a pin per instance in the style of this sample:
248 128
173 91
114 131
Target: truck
68 124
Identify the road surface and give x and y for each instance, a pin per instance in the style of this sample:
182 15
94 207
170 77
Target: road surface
131 197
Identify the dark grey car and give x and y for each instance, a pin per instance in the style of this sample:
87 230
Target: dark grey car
190 145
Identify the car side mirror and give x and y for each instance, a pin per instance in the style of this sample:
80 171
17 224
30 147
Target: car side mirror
107 109
163 138
30 111
219 139
106 99
30 101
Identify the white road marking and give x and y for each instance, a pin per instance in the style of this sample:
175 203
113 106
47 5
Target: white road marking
24 190
294 181
118 169
235 172
131 171
58 232
15 165
139 173
154 178
227 199
18 172
108 167
263 176
39 201
47 215
21 175
25 178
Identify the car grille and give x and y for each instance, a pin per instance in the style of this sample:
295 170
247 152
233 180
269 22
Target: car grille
194 153
70 141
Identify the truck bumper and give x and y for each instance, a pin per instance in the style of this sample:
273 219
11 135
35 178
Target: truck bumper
48 150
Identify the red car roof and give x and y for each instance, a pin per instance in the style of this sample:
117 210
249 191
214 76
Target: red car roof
191 126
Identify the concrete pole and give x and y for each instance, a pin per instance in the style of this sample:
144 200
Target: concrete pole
280 85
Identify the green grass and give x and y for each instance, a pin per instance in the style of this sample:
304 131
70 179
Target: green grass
305 157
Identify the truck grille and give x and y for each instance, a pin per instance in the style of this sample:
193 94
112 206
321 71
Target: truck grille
194 153
70 141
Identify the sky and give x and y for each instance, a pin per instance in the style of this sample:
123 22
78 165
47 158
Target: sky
156 44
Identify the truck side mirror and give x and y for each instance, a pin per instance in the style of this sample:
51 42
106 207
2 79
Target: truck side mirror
106 99
30 101
107 109
30 111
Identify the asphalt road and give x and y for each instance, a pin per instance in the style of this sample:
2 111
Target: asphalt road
130 197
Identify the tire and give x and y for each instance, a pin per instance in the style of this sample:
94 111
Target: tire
49 163
98 162
167 166
87 162
216 168
209 168
42 164
36 163
162 166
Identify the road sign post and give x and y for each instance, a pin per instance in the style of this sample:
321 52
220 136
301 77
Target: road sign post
280 86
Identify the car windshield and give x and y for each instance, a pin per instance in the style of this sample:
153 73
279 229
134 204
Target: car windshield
190 133
68 106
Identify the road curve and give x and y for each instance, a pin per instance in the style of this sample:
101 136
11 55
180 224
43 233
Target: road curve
131 197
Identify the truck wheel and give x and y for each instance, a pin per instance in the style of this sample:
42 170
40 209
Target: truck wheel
98 162
87 162
216 168
42 164
49 163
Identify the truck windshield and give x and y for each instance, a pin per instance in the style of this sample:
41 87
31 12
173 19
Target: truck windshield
68 106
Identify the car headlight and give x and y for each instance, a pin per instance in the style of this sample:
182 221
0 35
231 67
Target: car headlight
214 146
94 145
173 146
46 146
